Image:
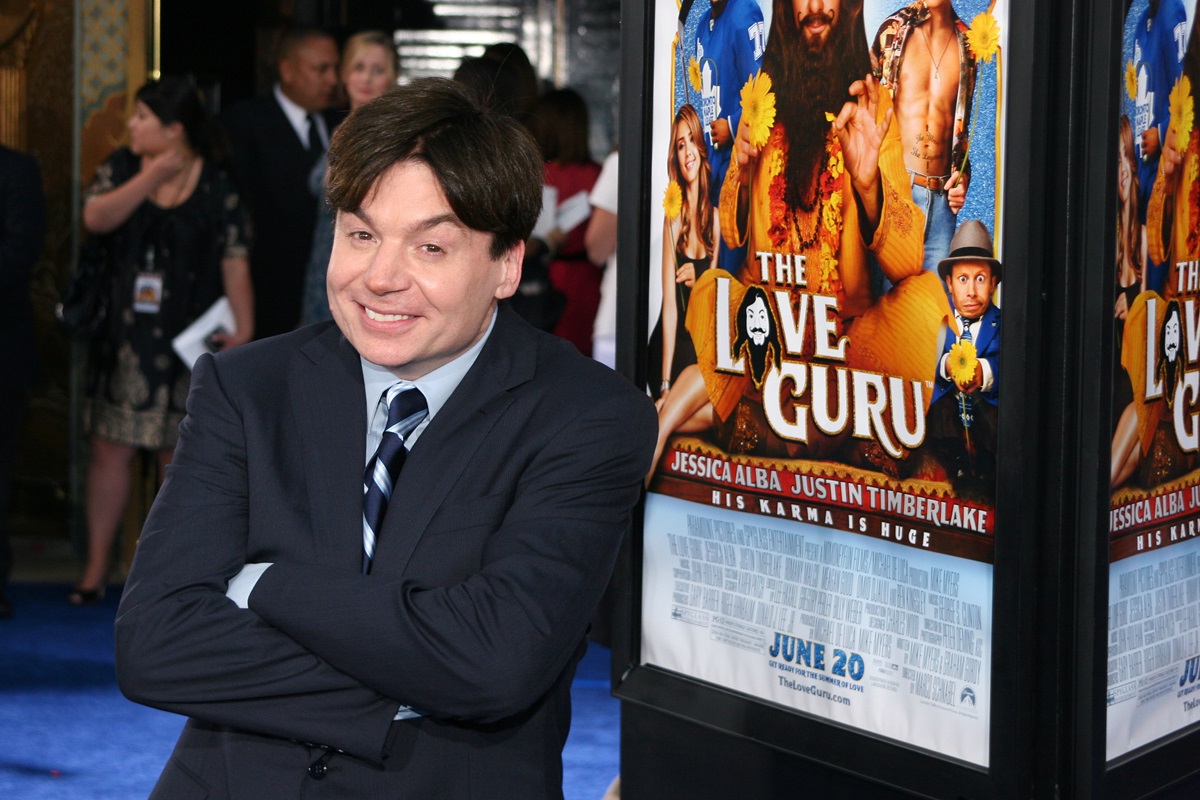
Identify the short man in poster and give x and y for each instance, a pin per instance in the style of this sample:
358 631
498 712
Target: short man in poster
962 412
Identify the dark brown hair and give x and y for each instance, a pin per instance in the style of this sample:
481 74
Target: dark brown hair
488 166
559 124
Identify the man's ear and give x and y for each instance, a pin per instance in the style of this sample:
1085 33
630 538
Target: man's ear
510 264
286 70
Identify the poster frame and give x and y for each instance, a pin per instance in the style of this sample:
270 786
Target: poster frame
1014 738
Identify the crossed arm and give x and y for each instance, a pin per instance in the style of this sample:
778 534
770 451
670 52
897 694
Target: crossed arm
327 655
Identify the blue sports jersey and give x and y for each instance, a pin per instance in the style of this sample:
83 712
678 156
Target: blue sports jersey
729 49
1158 48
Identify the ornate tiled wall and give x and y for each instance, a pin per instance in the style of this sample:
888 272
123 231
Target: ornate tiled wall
44 45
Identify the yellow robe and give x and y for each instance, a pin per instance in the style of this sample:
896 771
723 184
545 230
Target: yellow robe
896 334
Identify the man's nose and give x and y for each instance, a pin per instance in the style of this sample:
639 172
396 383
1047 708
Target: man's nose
389 272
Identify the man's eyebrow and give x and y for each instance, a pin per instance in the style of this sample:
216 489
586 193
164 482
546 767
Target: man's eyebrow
422 225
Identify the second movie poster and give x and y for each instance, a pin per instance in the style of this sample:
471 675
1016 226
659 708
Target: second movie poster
825 323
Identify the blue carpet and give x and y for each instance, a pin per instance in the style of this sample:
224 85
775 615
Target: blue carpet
66 731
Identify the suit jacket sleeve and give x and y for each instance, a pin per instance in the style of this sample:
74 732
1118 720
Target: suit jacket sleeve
488 646
184 647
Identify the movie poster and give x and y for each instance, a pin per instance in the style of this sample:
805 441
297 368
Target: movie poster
1153 683
825 322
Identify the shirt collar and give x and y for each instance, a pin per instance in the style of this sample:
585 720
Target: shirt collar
437 386
296 115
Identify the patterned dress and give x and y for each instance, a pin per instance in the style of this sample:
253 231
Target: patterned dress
138 384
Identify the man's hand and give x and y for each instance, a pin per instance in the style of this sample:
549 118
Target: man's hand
721 135
975 383
1150 143
956 190
1170 161
744 153
861 138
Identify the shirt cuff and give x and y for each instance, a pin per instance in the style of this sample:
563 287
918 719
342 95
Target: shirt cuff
406 712
243 583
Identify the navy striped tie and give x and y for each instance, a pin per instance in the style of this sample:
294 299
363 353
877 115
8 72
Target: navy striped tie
406 409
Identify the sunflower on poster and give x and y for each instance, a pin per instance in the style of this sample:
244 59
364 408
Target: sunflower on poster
672 200
983 36
1182 112
758 108
694 74
962 362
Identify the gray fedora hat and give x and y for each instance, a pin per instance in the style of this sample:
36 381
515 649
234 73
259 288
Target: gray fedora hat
971 242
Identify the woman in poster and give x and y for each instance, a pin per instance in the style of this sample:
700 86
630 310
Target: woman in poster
1130 282
690 230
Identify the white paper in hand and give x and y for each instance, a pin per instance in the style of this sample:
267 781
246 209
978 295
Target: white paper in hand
196 339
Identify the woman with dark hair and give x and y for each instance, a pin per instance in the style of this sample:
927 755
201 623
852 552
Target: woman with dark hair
559 124
176 239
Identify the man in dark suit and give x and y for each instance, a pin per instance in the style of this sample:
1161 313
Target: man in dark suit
22 226
961 422
277 141
318 650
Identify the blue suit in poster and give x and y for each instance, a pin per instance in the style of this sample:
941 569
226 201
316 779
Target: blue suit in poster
987 348
730 38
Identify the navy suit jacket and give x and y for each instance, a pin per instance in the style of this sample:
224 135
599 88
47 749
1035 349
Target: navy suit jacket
502 532
272 170
987 348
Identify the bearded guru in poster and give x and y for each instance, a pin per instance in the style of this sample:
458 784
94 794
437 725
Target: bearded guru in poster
825 355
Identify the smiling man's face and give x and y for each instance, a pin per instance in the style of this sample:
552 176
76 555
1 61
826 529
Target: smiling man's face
409 284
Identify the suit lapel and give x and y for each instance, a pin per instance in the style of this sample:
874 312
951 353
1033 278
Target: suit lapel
987 328
454 437
326 390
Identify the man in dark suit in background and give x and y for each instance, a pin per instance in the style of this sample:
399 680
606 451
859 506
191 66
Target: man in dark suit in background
319 648
277 140
22 227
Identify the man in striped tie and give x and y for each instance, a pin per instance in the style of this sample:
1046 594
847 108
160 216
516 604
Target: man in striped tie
372 565
961 422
